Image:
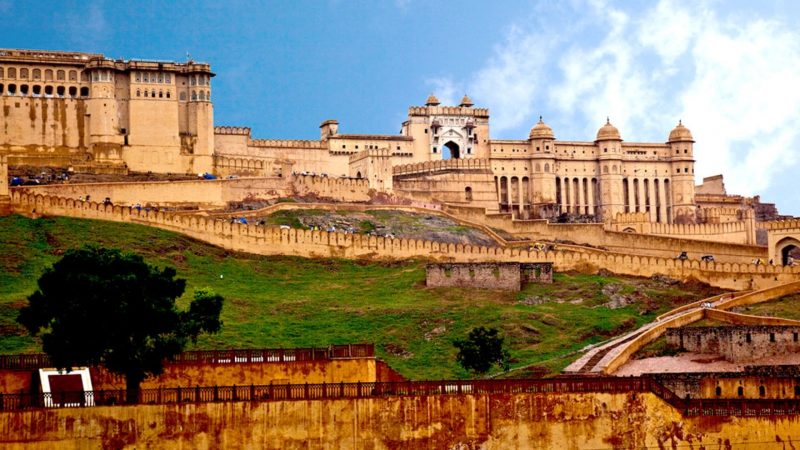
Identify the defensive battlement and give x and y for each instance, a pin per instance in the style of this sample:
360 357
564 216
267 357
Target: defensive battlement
781 224
448 111
641 217
372 153
720 211
318 180
289 143
315 243
99 61
443 165
46 56
372 137
245 131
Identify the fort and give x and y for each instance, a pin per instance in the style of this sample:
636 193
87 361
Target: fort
546 205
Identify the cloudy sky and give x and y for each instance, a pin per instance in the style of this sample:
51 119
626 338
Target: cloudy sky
729 69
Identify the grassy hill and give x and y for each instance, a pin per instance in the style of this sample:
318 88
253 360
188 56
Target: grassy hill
296 302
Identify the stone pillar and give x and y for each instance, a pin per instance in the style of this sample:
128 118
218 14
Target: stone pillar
578 196
640 193
652 195
521 198
565 191
510 194
662 200
631 196
590 192
499 192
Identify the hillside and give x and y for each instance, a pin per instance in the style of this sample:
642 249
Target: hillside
295 302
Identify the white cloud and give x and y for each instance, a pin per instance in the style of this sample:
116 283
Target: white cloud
509 82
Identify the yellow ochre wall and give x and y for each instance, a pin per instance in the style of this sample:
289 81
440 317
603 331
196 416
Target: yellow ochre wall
496 421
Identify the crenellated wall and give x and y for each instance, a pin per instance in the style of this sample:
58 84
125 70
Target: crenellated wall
596 235
209 193
274 241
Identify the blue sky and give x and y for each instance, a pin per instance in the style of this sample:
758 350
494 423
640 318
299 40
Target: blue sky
729 69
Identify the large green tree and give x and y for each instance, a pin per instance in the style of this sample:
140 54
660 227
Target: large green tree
482 349
102 306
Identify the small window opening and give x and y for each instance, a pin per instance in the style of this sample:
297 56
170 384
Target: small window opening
718 391
740 391
748 338
762 391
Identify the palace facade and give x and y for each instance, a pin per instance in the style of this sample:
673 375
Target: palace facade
98 114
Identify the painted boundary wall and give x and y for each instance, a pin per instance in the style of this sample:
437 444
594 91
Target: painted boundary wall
275 241
458 421
244 374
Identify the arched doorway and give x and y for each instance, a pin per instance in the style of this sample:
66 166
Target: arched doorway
451 151
358 174
788 249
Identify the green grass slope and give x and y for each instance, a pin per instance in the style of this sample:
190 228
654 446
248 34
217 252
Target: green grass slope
296 302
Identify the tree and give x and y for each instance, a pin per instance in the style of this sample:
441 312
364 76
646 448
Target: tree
102 306
481 350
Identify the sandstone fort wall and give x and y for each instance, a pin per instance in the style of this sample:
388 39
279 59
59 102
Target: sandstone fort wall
595 234
209 193
274 241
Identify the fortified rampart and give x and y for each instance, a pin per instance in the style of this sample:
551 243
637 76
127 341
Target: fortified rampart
209 193
733 232
456 181
595 235
540 414
736 343
275 241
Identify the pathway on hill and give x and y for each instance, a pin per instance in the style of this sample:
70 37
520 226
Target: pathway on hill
607 358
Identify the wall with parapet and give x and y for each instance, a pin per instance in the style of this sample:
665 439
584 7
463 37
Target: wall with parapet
736 343
487 421
595 234
274 241
222 374
457 181
209 193
733 232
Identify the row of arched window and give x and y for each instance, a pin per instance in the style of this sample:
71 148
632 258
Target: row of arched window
152 93
23 73
199 80
37 90
149 77
200 95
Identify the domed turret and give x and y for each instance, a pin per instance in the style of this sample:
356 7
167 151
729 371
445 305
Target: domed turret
608 132
680 134
466 102
432 101
541 131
